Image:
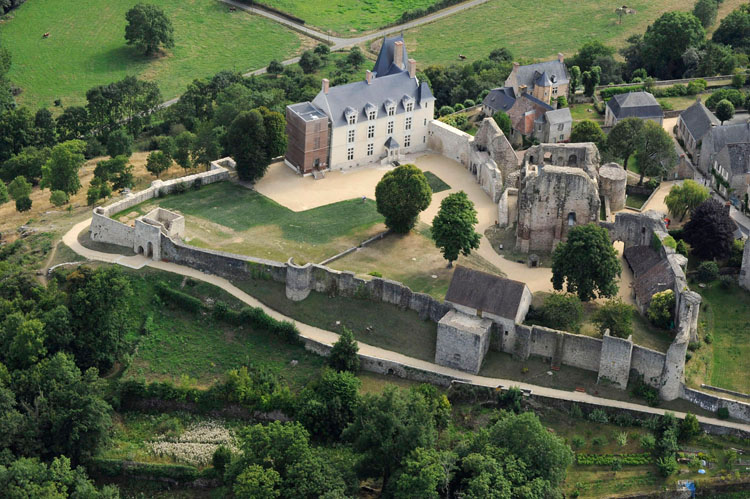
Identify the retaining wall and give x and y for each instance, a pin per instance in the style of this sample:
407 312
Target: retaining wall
737 410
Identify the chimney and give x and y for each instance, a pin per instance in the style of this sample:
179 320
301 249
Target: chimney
522 89
368 77
516 66
326 85
412 68
560 57
398 53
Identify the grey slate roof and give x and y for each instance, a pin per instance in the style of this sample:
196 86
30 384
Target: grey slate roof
528 75
500 99
391 143
358 94
384 65
698 120
729 134
640 258
485 292
558 116
735 158
635 105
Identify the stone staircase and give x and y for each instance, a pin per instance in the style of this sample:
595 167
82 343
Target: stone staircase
318 174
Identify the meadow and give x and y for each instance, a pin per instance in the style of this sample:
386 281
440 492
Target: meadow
86 46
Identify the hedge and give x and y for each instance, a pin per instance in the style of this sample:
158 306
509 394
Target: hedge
182 300
410 15
117 467
610 459
609 92
257 318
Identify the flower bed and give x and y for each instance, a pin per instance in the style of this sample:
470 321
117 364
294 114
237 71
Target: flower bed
196 445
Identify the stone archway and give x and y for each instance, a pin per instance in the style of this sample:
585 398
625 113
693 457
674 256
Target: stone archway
140 250
150 250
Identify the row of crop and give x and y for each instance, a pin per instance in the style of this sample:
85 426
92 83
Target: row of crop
610 459
178 472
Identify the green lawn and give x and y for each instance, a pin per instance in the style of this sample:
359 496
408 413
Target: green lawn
87 46
540 31
436 183
585 111
347 17
229 217
731 336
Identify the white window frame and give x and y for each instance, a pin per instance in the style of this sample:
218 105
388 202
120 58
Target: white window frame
350 136
389 128
407 140
350 153
371 115
409 107
370 149
391 110
352 119
407 123
370 131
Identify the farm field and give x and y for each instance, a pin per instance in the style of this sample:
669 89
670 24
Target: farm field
87 46
348 17
228 217
559 27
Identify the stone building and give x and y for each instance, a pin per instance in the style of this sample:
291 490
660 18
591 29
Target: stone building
554 126
732 164
633 105
545 81
613 180
693 125
375 120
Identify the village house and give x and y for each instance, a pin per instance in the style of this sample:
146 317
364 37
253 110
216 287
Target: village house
375 120
693 125
633 105
545 81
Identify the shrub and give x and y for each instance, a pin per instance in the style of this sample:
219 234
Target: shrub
624 419
469 103
577 442
683 248
722 413
669 242
562 102
661 309
708 338
446 110
616 316
648 442
707 271
653 183
622 439
576 412
667 465
735 257
58 198
608 93
458 107
598 416
178 298
562 311
375 273
598 441
696 86
689 427
726 281
640 389
23 204
610 459
731 94
221 458
343 356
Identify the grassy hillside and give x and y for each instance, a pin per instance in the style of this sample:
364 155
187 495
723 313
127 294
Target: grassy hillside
87 46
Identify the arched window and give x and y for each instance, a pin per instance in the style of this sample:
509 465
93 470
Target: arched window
571 218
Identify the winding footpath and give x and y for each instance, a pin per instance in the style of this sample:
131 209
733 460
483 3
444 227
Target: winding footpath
336 42
329 337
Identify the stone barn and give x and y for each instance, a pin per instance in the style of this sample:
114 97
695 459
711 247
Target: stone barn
484 304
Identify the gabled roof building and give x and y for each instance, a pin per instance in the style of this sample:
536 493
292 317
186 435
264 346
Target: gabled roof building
694 123
633 105
374 120
544 80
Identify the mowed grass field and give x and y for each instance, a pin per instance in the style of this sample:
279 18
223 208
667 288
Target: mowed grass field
86 46
540 31
347 17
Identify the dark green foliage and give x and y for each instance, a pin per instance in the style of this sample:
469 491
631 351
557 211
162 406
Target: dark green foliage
343 355
562 311
4 196
58 198
28 163
610 459
446 110
309 61
247 141
707 271
616 316
148 28
623 139
710 231
401 195
722 413
275 67
157 163
667 39
661 309
587 263
453 227
326 406
689 427
588 131
724 110
734 29
128 101
178 298
734 96
503 121
355 57
640 389
735 258
19 188
116 170
26 477
73 123
655 151
598 416
60 173
46 135
705 11
23 204
257 318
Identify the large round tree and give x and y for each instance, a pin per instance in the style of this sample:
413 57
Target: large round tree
586 263
247 143
453 227
400 195
148 28
710 231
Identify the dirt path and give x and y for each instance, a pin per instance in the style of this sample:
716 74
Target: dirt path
328 337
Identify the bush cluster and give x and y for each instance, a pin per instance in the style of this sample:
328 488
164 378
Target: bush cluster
410 15
256 318
178 298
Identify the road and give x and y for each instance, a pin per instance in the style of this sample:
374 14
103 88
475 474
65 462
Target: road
329 337
338 43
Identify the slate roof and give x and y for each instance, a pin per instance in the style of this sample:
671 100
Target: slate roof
635 105
698 120
384 65
486 292
525 111
558 116
640 258
500 99
729 134
391 143
735 158
358 94
528 75
652 274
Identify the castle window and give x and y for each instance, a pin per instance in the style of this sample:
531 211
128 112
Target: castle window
350 154
371 115
350 136
407 140
571 218
352 119
389 130
409 107
562 137
391 110
317 143
370 149
370 131
560 127
407 124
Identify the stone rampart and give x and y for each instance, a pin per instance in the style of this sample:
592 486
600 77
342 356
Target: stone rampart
745 270
616 359
106 230
649 363
737 410
449 142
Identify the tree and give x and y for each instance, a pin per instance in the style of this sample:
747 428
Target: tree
257 482
427 474
247 143
656 154
23 204
275 67
28 477
734 29
387 428
120 143
623 139
116 170
684 198
707 271
710 231
705 11
4 196
46 135
73 123
562 311
587 263
562 102
355 57
309 61
667 39
327 405
206 147
275 125
589 52
575 79
322 50
590 80
58 198
616 316
503 121
184 144
453 227
689 427
60 173
343 355
16 131
738 78
28 162
148 27
157 163
588 131
661 309
401 195
19 188
724 110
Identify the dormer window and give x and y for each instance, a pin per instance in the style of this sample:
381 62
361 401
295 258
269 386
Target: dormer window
390 107
351 115
408 103
409 107
371 115
371 111
352 119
